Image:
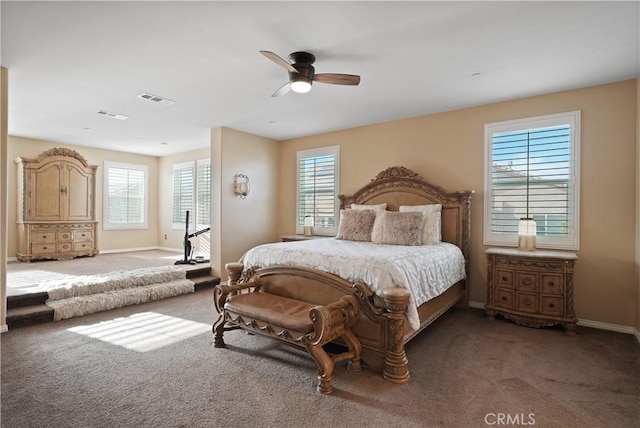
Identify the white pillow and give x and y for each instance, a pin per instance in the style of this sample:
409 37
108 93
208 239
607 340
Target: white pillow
378 208
432 215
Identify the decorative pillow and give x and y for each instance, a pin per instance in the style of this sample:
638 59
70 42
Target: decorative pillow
378 208
398 228
432 215
356 225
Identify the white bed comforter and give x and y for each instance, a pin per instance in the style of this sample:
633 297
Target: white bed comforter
426 271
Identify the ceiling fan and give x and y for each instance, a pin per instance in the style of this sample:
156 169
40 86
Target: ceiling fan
302 73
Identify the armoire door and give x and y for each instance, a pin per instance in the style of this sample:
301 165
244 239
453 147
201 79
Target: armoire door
78 194
46 186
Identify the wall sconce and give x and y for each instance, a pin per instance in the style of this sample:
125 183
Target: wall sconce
241 185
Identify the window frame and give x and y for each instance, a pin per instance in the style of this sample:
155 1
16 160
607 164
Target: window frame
194 211
313 153
572 119
106 223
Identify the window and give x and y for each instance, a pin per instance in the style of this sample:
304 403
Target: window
532 170
318 176
126 191
192 192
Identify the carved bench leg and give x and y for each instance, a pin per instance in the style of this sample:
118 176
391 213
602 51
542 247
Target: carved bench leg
354 346
395 361
218 331
325 367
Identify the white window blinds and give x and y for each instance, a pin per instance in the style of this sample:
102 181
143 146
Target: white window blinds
125 196
532 171
192 192
318 177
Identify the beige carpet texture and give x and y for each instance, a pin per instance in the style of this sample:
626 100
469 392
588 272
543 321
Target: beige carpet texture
152 365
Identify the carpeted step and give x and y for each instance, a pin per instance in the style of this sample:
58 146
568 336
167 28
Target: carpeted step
205 281
24 300
29 315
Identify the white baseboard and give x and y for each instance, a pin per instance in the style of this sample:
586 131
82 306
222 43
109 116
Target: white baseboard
588 323
12 259
4 328
128 250
476 305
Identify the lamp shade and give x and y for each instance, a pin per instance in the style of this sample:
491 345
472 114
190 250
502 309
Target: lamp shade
308 226
527 234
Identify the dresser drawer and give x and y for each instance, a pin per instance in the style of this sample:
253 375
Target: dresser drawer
527 281
43 237
82 246
527 302
64 246
504 278
504 298
64 235
43 248
82 235
551 305
551 283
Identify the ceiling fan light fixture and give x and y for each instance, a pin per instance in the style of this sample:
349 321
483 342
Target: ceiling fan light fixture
300 84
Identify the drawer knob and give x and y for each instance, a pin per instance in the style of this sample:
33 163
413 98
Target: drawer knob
504 298
551 305
504 278
44 248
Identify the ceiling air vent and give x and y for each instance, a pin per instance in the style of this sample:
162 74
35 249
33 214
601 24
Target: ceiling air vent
113 115
155 99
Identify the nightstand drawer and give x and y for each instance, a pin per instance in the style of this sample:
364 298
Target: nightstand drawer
504 278
504 298
527 302
551 283
527 281
551 305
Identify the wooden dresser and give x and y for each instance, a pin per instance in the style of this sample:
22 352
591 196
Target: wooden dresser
56 206
532 288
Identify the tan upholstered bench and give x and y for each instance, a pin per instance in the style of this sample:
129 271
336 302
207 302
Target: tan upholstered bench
293 321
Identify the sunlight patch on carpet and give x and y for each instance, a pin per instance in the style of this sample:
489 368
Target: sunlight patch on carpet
143 332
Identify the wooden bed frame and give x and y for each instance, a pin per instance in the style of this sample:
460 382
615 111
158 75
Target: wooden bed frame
381 328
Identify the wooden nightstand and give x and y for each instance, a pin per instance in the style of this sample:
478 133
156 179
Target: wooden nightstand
532 288
288 238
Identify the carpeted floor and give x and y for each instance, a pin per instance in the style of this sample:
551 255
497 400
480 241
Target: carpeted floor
152 365
25 278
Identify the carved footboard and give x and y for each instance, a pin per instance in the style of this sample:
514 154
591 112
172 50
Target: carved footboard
380 326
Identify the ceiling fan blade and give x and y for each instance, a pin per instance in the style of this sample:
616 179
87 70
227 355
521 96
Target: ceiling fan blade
337 79
281 62
282 90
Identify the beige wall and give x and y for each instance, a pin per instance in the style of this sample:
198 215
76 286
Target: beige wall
448 149
108 240
4 84
239 224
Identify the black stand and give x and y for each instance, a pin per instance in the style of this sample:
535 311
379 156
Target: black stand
188 260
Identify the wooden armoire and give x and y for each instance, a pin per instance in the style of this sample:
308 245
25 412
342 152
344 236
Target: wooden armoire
56 206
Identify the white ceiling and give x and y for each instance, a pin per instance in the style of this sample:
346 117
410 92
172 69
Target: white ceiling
67 60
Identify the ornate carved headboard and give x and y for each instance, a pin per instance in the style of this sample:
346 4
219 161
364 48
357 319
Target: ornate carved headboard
400 186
